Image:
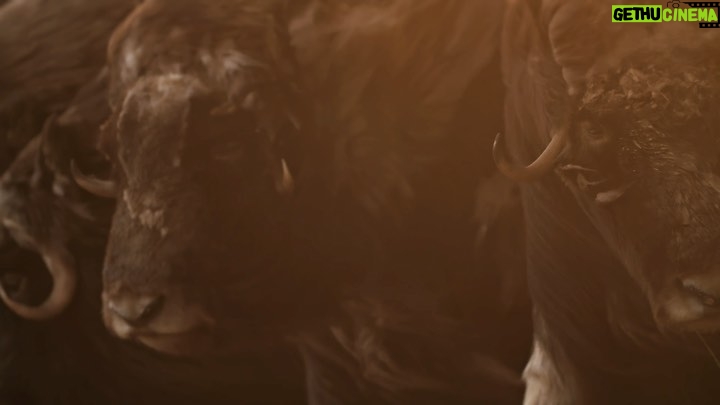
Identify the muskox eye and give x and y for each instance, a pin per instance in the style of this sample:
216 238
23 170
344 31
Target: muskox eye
706 299
593 132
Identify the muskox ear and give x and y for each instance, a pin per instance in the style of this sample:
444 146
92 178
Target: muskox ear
43 172
55 152
602 188
590 164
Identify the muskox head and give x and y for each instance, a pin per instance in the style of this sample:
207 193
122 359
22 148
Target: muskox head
44 214
198 140
35 231
643 161
638 148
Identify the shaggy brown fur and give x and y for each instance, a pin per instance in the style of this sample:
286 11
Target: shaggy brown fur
403 128
47 51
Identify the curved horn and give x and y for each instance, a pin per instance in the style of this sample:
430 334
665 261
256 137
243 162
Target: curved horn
541 166
93 185
62 270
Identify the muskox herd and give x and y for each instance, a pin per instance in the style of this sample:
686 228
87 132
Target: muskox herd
356 202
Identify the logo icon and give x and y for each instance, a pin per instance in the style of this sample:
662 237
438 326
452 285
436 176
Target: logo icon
704 13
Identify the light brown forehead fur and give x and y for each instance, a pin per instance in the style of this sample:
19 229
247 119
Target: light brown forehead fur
152 43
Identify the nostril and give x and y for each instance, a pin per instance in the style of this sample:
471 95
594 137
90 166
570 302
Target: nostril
138 310
152 308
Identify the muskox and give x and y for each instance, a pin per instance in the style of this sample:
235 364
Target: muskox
622 206
310 170
70 358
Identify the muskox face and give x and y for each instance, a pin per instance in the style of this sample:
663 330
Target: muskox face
26 209
644 162
44 218
199 189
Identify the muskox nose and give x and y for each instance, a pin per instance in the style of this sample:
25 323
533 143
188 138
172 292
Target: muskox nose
136 310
